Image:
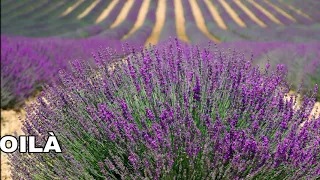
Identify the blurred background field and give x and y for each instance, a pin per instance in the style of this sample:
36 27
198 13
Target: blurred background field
40 37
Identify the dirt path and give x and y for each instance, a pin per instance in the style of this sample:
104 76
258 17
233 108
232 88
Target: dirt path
10 123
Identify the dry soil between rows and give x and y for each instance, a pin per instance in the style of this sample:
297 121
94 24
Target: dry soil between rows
10 124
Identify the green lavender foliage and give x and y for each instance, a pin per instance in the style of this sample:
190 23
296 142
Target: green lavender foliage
172 112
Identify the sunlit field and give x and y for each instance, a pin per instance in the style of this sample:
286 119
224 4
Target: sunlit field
162 89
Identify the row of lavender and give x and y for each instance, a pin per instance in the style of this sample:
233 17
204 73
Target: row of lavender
293 32
28 63
301 60
40 23
119 32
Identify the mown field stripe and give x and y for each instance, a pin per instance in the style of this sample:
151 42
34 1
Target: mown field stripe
265 12
215 15
180 21
298 11
250 13
232 13
123 13
140 19
71 8
88 9
107 11
160 20
196 11
281 11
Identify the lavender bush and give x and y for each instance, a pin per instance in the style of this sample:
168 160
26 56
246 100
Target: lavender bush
17 64
28 63
172 112
300 59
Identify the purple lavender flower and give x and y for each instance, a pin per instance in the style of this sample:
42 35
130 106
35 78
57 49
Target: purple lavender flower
217 116
21 57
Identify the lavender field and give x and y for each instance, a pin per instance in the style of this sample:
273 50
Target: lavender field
162 89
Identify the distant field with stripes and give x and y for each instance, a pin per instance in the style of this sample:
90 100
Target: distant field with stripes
151 21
